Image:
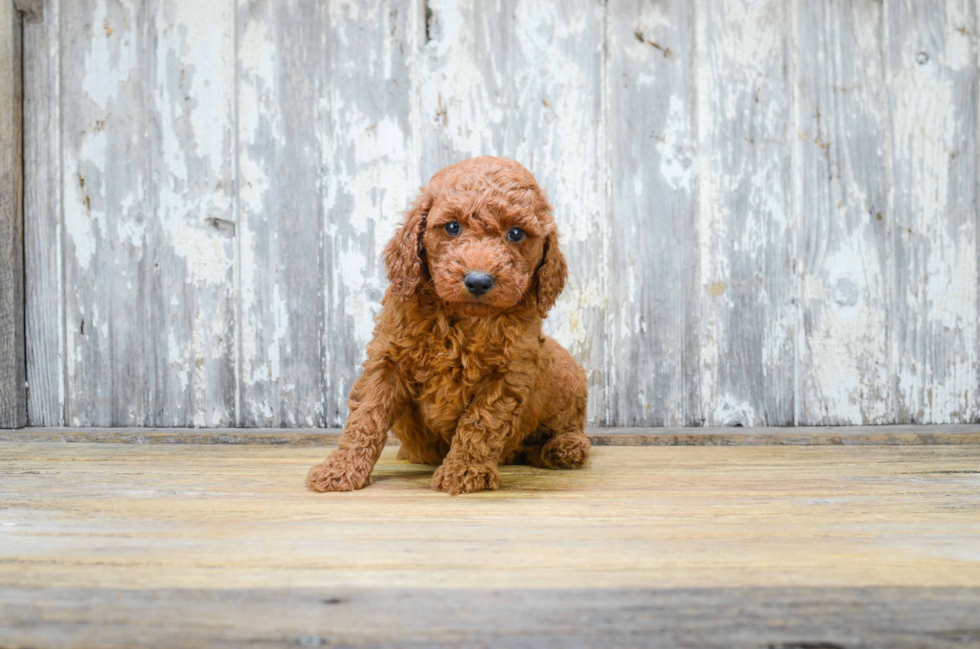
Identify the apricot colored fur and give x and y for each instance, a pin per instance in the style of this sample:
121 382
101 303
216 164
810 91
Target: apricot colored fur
467 383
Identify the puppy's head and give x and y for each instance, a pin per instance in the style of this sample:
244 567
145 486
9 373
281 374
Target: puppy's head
483 234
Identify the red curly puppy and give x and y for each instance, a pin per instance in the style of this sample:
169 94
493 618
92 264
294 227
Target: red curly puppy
459 369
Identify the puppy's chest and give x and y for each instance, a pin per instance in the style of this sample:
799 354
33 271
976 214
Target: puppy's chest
451 371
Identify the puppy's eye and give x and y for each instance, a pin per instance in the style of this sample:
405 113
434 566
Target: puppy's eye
515 234
453 228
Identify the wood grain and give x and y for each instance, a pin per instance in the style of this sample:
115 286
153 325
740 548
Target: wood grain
280 58
932 67
105 541
653 172
196 544
193 516
528 618
844 247
43 227
147 189
747 292
105 157
371 168
13 374
189 248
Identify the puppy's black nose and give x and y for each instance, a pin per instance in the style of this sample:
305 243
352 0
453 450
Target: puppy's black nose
478 283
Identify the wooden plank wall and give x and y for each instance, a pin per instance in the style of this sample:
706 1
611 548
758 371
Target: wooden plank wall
13 378
769 208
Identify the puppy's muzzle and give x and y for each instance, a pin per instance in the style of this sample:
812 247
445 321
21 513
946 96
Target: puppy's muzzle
477 283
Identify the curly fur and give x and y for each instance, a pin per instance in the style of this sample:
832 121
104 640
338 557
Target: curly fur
467 383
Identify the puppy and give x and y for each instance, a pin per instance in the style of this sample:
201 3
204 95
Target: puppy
458 369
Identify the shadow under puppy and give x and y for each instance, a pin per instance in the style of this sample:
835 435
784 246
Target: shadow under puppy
458 369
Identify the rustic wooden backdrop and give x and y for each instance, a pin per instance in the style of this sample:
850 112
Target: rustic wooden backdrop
769 206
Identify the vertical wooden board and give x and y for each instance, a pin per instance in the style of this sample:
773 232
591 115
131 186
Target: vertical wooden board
466 81
653 305
191 301
148 213
523 80
371 173
281 115
103 162
13 375
104 180
45 322
843 242
933 72
747 292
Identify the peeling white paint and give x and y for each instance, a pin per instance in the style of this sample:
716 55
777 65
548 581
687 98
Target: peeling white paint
105 54
936 365
677 158
731 411
745 212
566 322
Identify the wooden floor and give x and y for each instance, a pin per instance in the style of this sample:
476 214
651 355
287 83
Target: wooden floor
124 545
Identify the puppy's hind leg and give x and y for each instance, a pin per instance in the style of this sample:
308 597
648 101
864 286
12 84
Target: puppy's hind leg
560 442
565 448
568 449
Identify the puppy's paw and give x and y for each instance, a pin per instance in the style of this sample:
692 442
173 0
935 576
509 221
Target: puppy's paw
566 451
464 479
342 471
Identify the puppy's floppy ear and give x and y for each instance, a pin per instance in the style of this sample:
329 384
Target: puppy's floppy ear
552 273
405 253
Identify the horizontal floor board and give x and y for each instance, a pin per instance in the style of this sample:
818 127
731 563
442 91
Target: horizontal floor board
749 618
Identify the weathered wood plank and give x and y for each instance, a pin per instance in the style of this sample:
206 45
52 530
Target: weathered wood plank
844 240
281 116
105 162
653 305
13 373
748 287
369 158
902 435
43 232
193 516
933 74
148 213
797 617
524 81
188 266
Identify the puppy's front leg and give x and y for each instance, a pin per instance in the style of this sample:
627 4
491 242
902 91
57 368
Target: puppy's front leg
376 401
481 435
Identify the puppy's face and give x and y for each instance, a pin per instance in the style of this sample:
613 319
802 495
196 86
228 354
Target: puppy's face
482 251
482 236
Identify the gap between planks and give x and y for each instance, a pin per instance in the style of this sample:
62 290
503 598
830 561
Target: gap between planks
900 435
